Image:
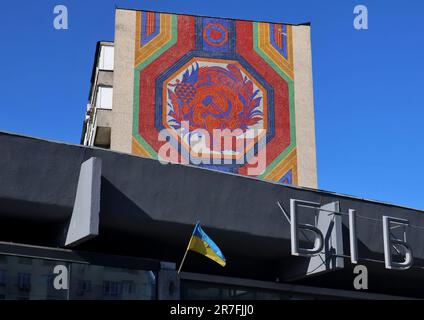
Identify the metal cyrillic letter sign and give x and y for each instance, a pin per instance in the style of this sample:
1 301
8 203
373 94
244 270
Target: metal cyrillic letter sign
295 226
391 241
352 237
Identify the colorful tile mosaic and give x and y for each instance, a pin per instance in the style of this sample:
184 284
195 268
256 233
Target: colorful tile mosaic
216 74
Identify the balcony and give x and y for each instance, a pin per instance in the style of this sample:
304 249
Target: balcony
97 123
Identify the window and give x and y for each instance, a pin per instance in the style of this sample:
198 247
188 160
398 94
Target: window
128 287
104 97
50 281
84 286
106 58
3 277
111 288
24 281
106 282
193 290
20 279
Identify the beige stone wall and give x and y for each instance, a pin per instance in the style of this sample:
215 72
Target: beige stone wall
123 81
304 102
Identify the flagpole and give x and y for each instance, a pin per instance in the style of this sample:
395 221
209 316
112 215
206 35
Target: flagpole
181 264
188 247
185 255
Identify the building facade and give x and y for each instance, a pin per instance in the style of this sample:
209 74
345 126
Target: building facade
112 222
120 223
98 119
228 95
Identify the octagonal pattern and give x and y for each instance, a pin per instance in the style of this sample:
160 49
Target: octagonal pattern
194 75
214 94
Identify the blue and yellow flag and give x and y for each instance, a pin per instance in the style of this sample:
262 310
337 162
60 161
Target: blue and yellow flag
201 243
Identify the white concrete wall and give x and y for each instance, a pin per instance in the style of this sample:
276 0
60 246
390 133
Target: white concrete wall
123 80
304 102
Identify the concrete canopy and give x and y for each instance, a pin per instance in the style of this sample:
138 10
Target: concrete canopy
148 209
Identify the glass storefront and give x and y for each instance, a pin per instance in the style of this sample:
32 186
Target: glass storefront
23 278
40 273
193 290
99 282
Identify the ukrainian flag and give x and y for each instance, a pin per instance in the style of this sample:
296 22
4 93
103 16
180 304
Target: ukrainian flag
201 243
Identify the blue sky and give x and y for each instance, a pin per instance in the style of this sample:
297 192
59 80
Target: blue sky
368 85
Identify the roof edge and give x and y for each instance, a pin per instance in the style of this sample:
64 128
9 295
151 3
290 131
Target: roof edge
219 172
206 16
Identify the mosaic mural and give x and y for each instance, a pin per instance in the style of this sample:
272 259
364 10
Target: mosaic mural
216 74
